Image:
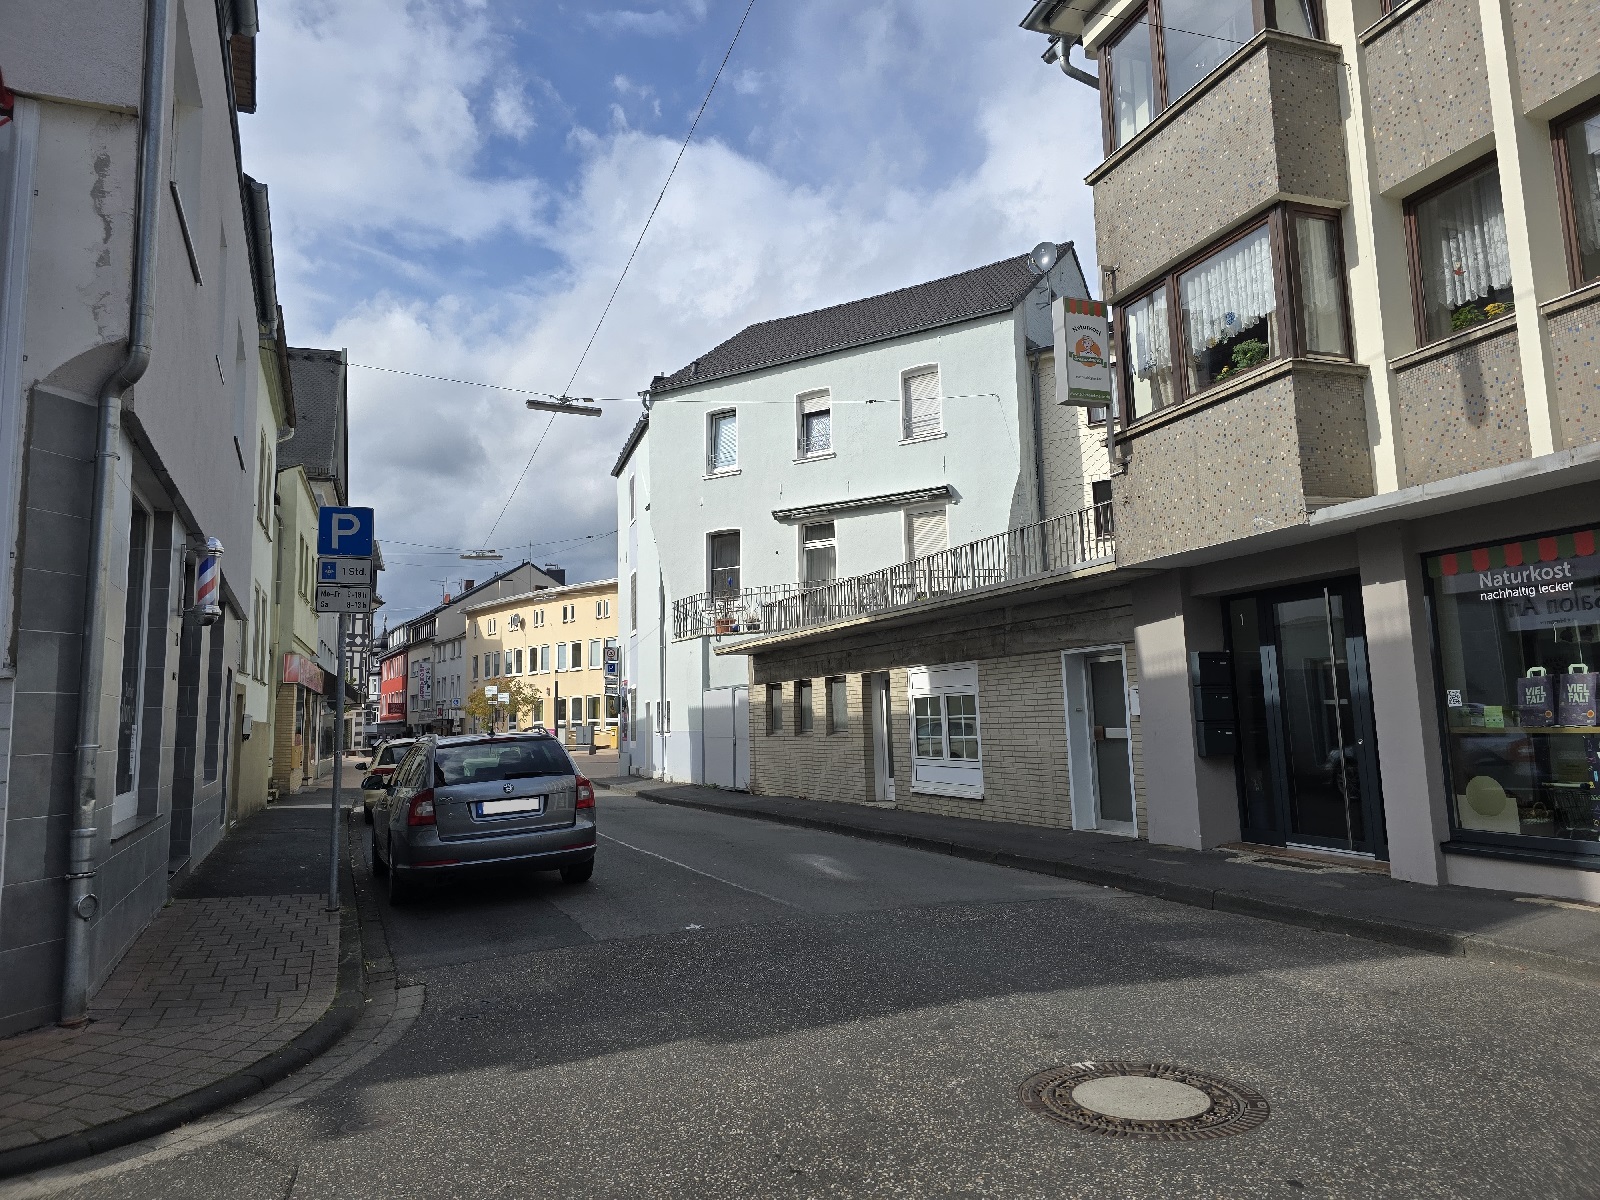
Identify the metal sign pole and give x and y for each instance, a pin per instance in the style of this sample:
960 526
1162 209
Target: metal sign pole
338 770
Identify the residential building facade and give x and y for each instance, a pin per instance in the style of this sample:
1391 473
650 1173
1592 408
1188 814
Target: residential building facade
553 642
821 446
299 685
127 455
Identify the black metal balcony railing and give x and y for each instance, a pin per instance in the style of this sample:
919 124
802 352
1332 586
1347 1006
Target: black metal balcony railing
1078 539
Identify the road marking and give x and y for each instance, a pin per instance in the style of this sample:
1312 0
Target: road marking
698 871
830 867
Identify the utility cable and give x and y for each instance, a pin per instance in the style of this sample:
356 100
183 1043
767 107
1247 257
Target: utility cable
639 241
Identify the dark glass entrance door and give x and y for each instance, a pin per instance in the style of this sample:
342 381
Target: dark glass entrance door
1307 750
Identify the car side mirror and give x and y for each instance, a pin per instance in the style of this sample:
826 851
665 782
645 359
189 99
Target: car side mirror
361 766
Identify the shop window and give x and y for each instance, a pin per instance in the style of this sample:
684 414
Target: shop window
1578 168
1518 635
1168 47
593 705
130 706
838 705
1460 260
946 747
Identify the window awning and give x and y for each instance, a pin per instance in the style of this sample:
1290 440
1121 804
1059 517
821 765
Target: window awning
883 500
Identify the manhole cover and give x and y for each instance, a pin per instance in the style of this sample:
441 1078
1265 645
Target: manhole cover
1156 1101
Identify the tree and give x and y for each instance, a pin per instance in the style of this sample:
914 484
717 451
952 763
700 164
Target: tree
492 712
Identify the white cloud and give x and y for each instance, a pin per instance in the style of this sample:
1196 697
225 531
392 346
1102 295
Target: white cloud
657 22
509 111
741 237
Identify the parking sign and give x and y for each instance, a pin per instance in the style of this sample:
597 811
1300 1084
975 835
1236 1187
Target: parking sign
344 532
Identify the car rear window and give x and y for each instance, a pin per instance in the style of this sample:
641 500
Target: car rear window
488 761
392 754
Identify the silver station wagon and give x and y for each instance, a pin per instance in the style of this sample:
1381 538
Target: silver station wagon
459 804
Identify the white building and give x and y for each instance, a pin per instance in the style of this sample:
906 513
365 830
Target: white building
816 447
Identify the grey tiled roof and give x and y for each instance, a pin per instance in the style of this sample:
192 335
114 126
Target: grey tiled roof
320 442
980 292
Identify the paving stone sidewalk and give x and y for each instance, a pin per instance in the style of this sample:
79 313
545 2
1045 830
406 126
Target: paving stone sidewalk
1528 931
218 981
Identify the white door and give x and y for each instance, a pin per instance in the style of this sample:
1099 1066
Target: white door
1099 742
725 737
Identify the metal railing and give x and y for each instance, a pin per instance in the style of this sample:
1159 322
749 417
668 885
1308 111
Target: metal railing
1073 540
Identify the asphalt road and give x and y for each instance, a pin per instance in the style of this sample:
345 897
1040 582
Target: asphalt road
733 1008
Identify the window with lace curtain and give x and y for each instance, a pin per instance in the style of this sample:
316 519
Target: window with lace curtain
1460 261
1578 166
1221 315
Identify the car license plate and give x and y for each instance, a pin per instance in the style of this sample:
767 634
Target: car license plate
507 808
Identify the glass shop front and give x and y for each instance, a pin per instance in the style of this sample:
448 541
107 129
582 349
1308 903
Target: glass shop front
1517 627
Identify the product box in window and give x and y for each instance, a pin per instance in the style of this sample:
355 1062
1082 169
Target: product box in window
1575 703
1536 699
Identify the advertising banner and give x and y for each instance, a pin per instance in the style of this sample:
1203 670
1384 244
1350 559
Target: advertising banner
1083 353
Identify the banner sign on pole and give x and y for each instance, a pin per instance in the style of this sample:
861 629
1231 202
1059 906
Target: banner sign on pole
1083 353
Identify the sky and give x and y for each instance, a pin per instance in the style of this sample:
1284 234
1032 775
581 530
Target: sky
456 186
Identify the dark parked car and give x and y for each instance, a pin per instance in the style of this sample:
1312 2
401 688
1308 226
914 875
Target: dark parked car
461 804
384 761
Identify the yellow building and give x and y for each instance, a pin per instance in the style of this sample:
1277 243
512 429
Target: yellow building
553 641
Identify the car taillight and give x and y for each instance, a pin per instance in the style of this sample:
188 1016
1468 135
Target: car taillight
421 810
585 793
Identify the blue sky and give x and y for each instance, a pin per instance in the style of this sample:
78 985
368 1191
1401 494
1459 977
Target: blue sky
457 183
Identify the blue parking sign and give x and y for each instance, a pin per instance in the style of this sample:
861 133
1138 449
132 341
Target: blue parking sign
344 532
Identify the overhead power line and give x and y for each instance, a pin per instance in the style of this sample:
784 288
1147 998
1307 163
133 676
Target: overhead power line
639 241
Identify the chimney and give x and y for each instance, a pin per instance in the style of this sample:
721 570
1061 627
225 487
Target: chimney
468 584
559 574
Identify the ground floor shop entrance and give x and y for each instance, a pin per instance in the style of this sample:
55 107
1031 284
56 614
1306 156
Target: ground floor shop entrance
1307 753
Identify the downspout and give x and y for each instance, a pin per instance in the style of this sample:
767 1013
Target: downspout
1038 433
82 866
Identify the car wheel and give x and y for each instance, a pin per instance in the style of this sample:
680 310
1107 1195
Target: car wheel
399 890
379 867
578 872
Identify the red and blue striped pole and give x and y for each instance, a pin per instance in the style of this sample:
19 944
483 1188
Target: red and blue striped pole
208 583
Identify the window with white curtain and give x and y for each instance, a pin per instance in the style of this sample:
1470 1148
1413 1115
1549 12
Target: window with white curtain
919 404
816 424
1462 258
1581 141
1322 320
1149 353
1229 309
722 442
817 552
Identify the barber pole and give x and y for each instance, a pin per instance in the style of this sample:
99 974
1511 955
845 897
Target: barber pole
207 588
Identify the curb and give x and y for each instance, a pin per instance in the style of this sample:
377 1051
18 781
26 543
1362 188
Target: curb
1372 929
349 999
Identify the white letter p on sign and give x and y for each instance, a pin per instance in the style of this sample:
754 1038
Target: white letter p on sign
344 525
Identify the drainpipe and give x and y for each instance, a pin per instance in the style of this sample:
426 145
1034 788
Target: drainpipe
81 900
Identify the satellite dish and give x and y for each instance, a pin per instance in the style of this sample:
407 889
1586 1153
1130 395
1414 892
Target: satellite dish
1044 257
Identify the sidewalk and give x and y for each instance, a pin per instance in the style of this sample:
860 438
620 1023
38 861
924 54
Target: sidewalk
243 977
1525 931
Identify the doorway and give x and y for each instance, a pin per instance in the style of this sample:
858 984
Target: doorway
882 737
1099 740
1307 755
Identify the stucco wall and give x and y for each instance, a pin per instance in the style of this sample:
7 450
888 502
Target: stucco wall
1575 355
1557 47
1267 127
1073 451
86 51
1428 89
1245 464
1463 409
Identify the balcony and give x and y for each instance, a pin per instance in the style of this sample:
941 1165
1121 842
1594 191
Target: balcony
1063 544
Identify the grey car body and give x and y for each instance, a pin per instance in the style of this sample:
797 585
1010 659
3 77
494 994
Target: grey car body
496 801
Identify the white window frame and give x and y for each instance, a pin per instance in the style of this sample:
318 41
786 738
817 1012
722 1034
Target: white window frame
805 404
912 514
597 658
602 609
830 543
713 468
945 776
906 436
125 805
